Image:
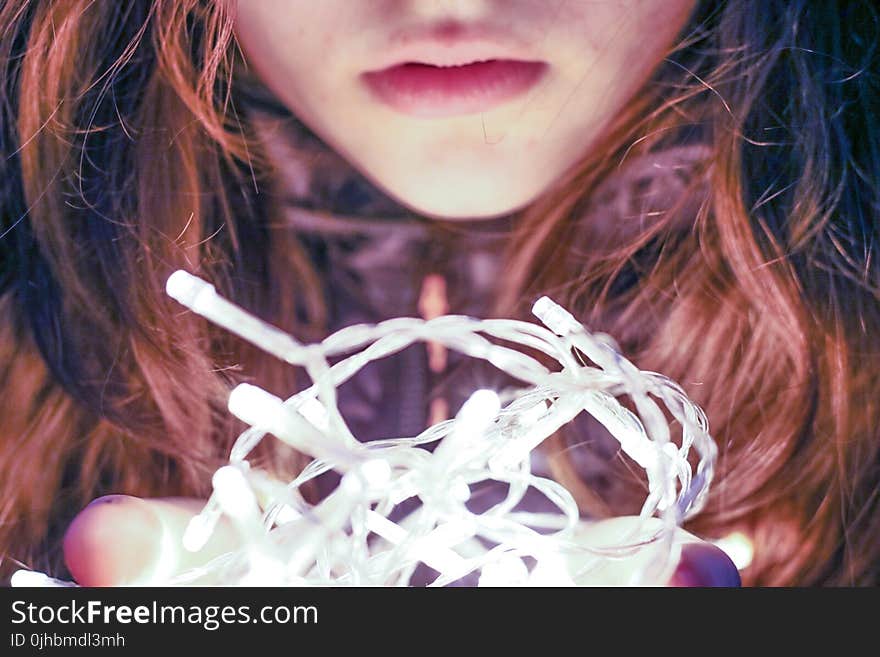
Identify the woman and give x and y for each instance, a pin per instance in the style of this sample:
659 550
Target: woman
138 138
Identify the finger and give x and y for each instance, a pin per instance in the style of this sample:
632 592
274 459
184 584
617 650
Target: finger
121 540
704 564
700 563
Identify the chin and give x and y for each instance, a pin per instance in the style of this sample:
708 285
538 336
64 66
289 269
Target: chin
462 200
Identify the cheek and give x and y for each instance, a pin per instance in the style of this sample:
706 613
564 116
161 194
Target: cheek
614 47
284 42
624 37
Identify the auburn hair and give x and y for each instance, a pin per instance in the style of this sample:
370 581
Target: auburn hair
127 151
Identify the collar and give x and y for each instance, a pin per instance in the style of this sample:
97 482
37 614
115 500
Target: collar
374 253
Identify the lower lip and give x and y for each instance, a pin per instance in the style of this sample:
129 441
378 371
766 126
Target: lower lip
433 91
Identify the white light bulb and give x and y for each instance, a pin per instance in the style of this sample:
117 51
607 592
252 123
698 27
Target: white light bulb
189 290
253 405
555 317
30 578
739 548
376 473
478 411
234 495
314 412
197 533
481 406
550 570
506 571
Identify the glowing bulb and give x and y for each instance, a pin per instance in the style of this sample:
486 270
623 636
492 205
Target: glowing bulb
555 317
198 531
471 422
189 290
480 408
314 412
506 571
474 417
253 405
259 408
739 548
233 493
30 578
626 429
376 473
550 570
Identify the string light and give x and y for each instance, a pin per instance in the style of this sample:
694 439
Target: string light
739 548
359 534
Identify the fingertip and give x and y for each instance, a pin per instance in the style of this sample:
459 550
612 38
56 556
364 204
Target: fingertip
705 565
114 541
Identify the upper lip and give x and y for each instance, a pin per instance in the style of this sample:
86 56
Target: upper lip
450 45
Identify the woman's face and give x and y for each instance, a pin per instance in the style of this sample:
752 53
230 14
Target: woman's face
458 108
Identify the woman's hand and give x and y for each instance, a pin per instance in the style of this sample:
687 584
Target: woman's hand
703 564
120 540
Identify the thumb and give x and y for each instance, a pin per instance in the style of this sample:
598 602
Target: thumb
120 540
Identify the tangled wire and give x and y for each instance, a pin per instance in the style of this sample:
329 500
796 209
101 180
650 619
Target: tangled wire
353 537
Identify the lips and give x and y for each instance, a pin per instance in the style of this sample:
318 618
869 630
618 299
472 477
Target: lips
430 91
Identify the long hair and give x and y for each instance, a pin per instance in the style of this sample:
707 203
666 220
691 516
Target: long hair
127 153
